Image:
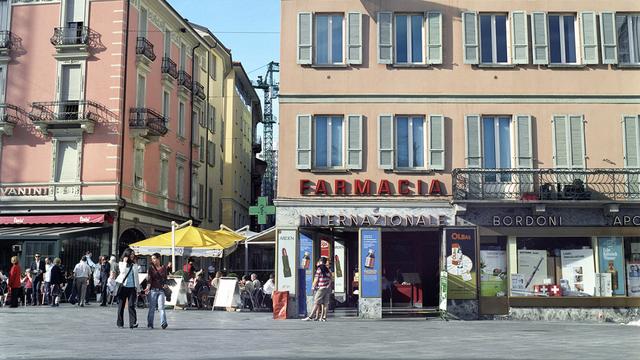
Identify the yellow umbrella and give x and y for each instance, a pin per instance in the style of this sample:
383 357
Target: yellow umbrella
191 241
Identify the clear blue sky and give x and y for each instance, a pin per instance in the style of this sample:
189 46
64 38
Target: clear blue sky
250 28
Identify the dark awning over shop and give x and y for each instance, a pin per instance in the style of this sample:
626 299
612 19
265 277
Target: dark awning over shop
41 232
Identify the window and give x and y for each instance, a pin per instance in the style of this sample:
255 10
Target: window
5 15
212 66
201 150
496 144
166 101
628 30
562 39
201 195
409 39
194 190
67 161
183 57
410 147
164 176
210 205
143 21
211 153
167 43
141 91
181 124
568 134
328 141
211 121
180 180
194 124
138 176
493 38
329 39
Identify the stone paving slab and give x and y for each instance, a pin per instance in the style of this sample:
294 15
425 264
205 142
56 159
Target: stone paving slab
90 333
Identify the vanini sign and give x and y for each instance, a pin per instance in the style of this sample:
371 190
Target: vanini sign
6 191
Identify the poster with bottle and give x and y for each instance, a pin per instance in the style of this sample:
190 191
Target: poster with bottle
611 255
339 263
532 264
578 270
461 265
633 278
306 261
370 270
286 261
493 273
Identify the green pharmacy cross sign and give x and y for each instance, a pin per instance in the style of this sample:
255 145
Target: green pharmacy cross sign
262 210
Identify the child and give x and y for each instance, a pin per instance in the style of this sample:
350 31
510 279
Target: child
28 287
111 284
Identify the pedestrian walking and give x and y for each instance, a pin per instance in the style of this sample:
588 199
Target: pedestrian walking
130 287
105 271
56 280
322 288
15 283
81 274
156 284
48 264
37 270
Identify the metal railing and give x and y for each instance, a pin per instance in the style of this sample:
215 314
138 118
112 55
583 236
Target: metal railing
141 118
198 90
68 110
546 184
6 39
70 35
169 67
184 79
10 114
145 47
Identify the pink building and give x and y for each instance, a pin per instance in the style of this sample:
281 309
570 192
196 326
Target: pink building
96 134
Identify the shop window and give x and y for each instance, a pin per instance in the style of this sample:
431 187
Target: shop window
493 266
632 260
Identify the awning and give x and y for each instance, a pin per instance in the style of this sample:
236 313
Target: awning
266 237
52 219
41 232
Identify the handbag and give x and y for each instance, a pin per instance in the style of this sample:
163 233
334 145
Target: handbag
118 288
167 292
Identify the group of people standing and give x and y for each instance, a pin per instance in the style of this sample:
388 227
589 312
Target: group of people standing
44 275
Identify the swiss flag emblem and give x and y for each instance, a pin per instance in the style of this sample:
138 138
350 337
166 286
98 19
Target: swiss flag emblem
555 290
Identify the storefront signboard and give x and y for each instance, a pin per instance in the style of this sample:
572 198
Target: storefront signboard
461 264
370 260
611 255
339 267
578 272
307 262
286 253
493 273
552 217
532 265
633 278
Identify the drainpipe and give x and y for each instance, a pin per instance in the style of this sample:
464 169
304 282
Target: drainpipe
205 197
123 114
193 63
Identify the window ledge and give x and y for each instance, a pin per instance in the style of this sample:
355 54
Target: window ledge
329 171
628 66
568 66
410 66
328 66
412 171
498 66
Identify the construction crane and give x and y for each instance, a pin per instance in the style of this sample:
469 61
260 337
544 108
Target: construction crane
270 87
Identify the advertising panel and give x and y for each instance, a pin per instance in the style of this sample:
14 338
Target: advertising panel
493 273
633 278
339 265
306 261
578 272
286 253
532 265
370 260
611 254
461 263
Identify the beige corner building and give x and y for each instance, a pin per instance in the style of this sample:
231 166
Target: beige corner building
474 157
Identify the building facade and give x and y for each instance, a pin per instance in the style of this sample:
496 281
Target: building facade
485 151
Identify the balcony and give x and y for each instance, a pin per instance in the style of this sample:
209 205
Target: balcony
185 80
71 39
169 68
147 123
9 117
66 115
198 91
144 51
546 185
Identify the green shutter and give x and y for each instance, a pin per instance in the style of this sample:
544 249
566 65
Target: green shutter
576 124
354 142
473 140
470 37
560 141
434 37
631 128
303 142
520 38
385 142
436 142
524 142
608 37
385 38
305 38
540 38
589 37
354 38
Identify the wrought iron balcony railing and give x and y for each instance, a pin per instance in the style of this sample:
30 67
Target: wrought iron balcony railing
70 35
66 111
184 79
10 114
145 118
5 40
169 67
198 90
145 47
546 184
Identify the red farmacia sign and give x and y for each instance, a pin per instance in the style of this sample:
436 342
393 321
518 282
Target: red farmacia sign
368 187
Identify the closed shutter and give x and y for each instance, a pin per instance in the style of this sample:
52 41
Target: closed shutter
67 161
436 142
385 142
144 20
434 37
354 142
75 10
303 143
520 36
473 139
141 91
540 38
576 123
354 38
470 37
608 37
631 127
524 142
5 14
560 141
305 45
71 82
385 38
589 37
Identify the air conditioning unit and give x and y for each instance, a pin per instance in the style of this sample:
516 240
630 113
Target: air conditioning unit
16 249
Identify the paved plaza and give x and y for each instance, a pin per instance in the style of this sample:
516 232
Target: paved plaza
90 333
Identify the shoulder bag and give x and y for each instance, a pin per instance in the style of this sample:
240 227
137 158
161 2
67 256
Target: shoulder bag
117 291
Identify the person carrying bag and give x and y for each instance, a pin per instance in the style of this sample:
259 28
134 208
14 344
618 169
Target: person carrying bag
127 288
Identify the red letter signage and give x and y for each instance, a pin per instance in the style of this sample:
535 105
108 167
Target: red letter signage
363 187
435 189
341 187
